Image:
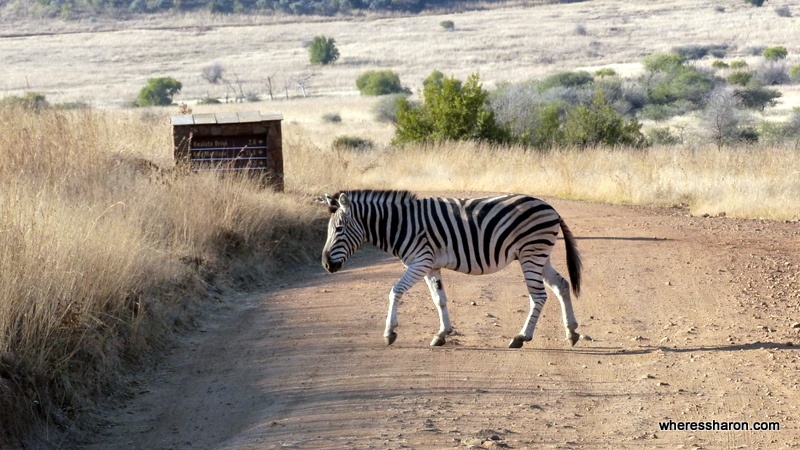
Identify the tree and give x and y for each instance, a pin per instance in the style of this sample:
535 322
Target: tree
598 123
451 110
159 92
323 50
380 82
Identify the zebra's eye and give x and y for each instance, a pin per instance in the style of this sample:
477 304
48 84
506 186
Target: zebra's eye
339 229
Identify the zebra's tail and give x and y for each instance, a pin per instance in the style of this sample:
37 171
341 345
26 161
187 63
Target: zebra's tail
573 258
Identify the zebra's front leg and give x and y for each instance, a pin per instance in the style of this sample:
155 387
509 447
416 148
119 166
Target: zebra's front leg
434 281
414 272
389 334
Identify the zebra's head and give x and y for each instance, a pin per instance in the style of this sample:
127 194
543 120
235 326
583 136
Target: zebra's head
345 234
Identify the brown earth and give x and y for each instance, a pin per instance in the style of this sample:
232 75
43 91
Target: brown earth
688 318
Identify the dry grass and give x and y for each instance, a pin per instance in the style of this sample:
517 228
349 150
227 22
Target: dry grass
758 182
103 257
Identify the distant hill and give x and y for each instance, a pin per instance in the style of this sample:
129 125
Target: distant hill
66 9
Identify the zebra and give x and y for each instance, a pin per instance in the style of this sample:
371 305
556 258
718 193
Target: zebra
472 236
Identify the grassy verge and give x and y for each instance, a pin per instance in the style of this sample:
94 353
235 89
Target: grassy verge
104 256
749 182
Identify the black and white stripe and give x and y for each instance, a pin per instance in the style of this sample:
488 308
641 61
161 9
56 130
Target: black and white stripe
473 236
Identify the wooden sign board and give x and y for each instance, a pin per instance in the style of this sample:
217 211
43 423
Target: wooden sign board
238 142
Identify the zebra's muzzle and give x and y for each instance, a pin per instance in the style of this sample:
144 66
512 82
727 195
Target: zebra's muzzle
329 265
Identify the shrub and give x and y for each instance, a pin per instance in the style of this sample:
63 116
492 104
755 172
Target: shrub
352 143
783 11
323 50
795 73
213 73
385 109
447 25
772 73
450 111
775 53
380 82
208 100
598 124
668 79
719 64
662 136
158 92
32 101
740 78
738 64
566 79
755 2
333 117
605 72
695 51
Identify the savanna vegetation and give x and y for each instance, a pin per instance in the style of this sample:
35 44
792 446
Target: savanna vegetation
107 253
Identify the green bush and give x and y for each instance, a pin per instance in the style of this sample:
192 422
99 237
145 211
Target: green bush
158 92
794 72
776 53
448 25
740 78
566 79
738 64
208 100
605 72
323 51
352 143
33 101
380 82
598 124
450 111
668 80
719 64
662 136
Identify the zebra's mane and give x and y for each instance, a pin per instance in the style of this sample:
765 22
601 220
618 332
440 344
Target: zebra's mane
378 194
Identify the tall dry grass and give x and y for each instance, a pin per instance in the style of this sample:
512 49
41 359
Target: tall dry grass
104 256
754 182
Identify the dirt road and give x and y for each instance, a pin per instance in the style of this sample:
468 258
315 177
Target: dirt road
689 319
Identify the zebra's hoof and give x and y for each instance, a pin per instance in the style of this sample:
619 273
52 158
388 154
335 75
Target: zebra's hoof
390 338
437 341
573 338
516 342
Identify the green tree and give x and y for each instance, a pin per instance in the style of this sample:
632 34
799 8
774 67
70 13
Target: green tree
323 50
598 123
159 92
380 82
451 111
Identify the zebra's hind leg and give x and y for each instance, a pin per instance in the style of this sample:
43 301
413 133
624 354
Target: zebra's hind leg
537 296
560 288
434 281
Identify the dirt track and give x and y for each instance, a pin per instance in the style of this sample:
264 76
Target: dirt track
690 319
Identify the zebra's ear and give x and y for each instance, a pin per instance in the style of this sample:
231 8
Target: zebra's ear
330 202
344 202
